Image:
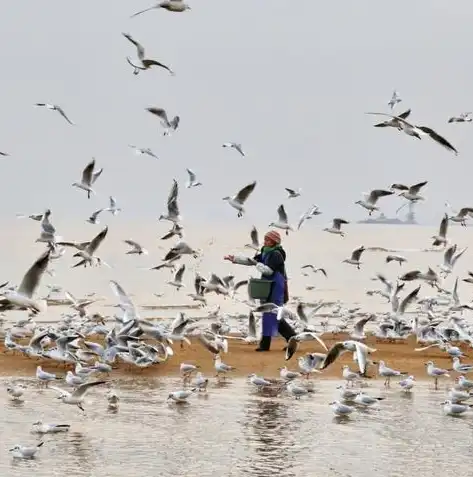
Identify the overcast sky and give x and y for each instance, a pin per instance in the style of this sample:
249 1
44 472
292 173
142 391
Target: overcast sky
290 80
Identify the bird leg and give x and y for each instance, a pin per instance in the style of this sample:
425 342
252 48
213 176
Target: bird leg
436 384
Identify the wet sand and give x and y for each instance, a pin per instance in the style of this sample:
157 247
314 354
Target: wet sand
397 355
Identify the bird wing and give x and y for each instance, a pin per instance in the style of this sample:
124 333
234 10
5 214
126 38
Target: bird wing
398 118
251 324
83 388
465 211
282 214
447 256
377 193
191 175
96 175
30 281
356 254
458 255
147 63
96 241
408 300
133 244
290 191
443 226
180 273
254 236
413 189
360 324
87 173
160 112
244 193
174 192
63 114
437 138
125 300
291 347
140 51
240 284
335 351
96 214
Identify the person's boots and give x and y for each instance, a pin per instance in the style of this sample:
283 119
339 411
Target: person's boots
285 330
264 344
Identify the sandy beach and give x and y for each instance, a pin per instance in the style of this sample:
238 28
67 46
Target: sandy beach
400 356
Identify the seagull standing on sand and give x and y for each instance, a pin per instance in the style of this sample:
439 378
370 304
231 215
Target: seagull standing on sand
25 452
238 200
282 222
234 145
436 373
55 107
336 227
89 176
355 257
192 180
419 131
145 63
372 198
169 5
387 373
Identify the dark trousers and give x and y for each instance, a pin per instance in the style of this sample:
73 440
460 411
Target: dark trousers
284 329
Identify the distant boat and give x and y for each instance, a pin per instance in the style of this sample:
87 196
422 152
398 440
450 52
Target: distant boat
382 219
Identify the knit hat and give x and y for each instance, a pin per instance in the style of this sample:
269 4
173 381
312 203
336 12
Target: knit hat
274 236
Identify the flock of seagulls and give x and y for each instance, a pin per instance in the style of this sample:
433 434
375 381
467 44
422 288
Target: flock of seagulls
91 348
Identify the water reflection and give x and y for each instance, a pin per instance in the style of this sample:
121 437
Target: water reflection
270 437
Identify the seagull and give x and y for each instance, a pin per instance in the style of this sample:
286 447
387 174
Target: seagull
25 452
360 349
461 368
161 113
395 99
145 63
172 205
410 193
363 399
441 238
94 218
141 151
169 5
136 248
396 258
372 198
77 397
282 222
234 145
312 212
430 276
336 227
89 176
314 269
87 253
293 193
40 428
393 123
238 200
55 107
463 118
48 232
355 257
192 180
455 409
436 373
112 208
341 410
255 245
418 131
387 373
182 395
450 258
176 230
469 279
177 282
23 295
462 215
407 384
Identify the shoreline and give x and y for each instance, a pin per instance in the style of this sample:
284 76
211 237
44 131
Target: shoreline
397 355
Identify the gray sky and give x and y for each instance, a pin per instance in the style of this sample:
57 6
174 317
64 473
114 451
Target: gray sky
289 80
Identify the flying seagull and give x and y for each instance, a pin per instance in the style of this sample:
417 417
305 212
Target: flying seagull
89 176
312 212
136 248
418 131
192 179
255 245
161 113
441 238
393 123
87 253
355 257
169 5
337 227
141 151
410 193
395 99
463 118
55 107
146 64
172 205
234 145
282 222
240 198
372 198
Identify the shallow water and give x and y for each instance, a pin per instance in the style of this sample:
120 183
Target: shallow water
231 431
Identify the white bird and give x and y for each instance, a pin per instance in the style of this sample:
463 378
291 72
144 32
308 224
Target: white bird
363 399
172 205
221 367
436 373
181 396
296 390
410 193
25 452
288 375
89 176
76 398
462 215
113 400
463 383
349 375
371 199
258 381
23 296
136 248
177 281
73 380
201 382
396 258
87 254
463 118
112 208
41 428
282 222
192 179
339 348
336 227
341 410
347 394
55 107
355 257
292 193
418 131
395 99
388 373
451 409
255 245
238 200
407 384
234 145
140 151
450 258
461 368
48 231
94 218
16 391
312 212
441 238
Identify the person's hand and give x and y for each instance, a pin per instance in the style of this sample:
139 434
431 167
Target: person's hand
229 258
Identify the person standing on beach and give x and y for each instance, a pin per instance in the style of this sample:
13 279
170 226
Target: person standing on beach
274 257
